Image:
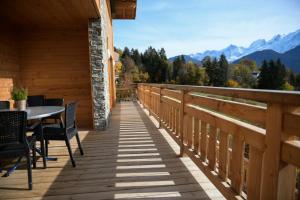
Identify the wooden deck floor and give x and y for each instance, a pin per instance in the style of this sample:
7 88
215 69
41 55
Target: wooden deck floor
131 160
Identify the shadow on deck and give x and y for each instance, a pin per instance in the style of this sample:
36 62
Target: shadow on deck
132 159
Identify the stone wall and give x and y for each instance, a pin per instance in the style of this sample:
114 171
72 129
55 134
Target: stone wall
99 68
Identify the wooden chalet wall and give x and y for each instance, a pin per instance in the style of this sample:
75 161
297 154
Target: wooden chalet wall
56 63
9 62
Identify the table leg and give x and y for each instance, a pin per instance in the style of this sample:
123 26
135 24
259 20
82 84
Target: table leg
13 168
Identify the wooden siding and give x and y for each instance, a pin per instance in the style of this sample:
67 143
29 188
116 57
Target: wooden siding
56 63
110 48
131 160
9 62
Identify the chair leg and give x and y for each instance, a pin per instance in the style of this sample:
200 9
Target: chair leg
34 155
79 144
46 147
43 153
29 170
70 152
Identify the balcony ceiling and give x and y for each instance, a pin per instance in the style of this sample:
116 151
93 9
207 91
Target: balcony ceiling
50 13
123 9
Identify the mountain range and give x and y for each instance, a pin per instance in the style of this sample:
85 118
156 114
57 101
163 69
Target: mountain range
279 44
290 58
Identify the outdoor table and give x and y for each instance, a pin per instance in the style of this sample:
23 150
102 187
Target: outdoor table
38 113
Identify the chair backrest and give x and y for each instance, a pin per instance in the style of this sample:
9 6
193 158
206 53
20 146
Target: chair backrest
4 105
54 102
12 127
70 115
36 100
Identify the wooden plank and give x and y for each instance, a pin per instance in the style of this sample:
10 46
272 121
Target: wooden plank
171 94
203 146
156 90
178 122
196 135
223 155
254 177
271 161
252 113
171 101
236 167
290 152
182 120
189 131
291 124
212 144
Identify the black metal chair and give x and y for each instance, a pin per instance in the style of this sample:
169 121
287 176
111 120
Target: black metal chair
36 100
4 105
56 118
13 140
65 133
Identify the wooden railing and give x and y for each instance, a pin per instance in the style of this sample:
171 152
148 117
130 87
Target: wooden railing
245 141
126 93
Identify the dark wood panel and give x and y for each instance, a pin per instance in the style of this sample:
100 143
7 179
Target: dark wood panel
56 63
51 13
9 62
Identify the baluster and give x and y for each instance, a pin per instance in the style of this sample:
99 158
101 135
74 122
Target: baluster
189 131
223 155
174 119
254 177
168 115
185 128
182 120
159 109
203 141
237 163
212 142
171 122
177 122
196 135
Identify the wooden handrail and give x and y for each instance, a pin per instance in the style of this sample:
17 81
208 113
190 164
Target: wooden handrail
267 96
253 149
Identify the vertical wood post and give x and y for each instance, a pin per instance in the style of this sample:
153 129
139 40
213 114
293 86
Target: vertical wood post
277 178
182 115
150 100
159 109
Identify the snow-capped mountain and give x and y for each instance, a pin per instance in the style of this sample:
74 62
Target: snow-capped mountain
279 43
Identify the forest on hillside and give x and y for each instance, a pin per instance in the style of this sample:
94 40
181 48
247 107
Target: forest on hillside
153 66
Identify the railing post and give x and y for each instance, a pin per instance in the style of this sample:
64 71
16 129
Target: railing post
159 109
150 100
182 115
277 177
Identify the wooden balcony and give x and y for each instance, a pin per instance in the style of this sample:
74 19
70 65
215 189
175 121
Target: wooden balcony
235 143
131 160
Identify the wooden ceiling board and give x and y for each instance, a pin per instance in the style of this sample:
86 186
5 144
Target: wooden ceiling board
48 13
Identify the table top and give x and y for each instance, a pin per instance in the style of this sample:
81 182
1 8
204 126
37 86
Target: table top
39 112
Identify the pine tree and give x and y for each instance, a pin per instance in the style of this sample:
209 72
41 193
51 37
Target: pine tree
178 64
272 75
210 67
125 53
264 78
222 71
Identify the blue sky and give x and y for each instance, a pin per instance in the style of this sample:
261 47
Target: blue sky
190 26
